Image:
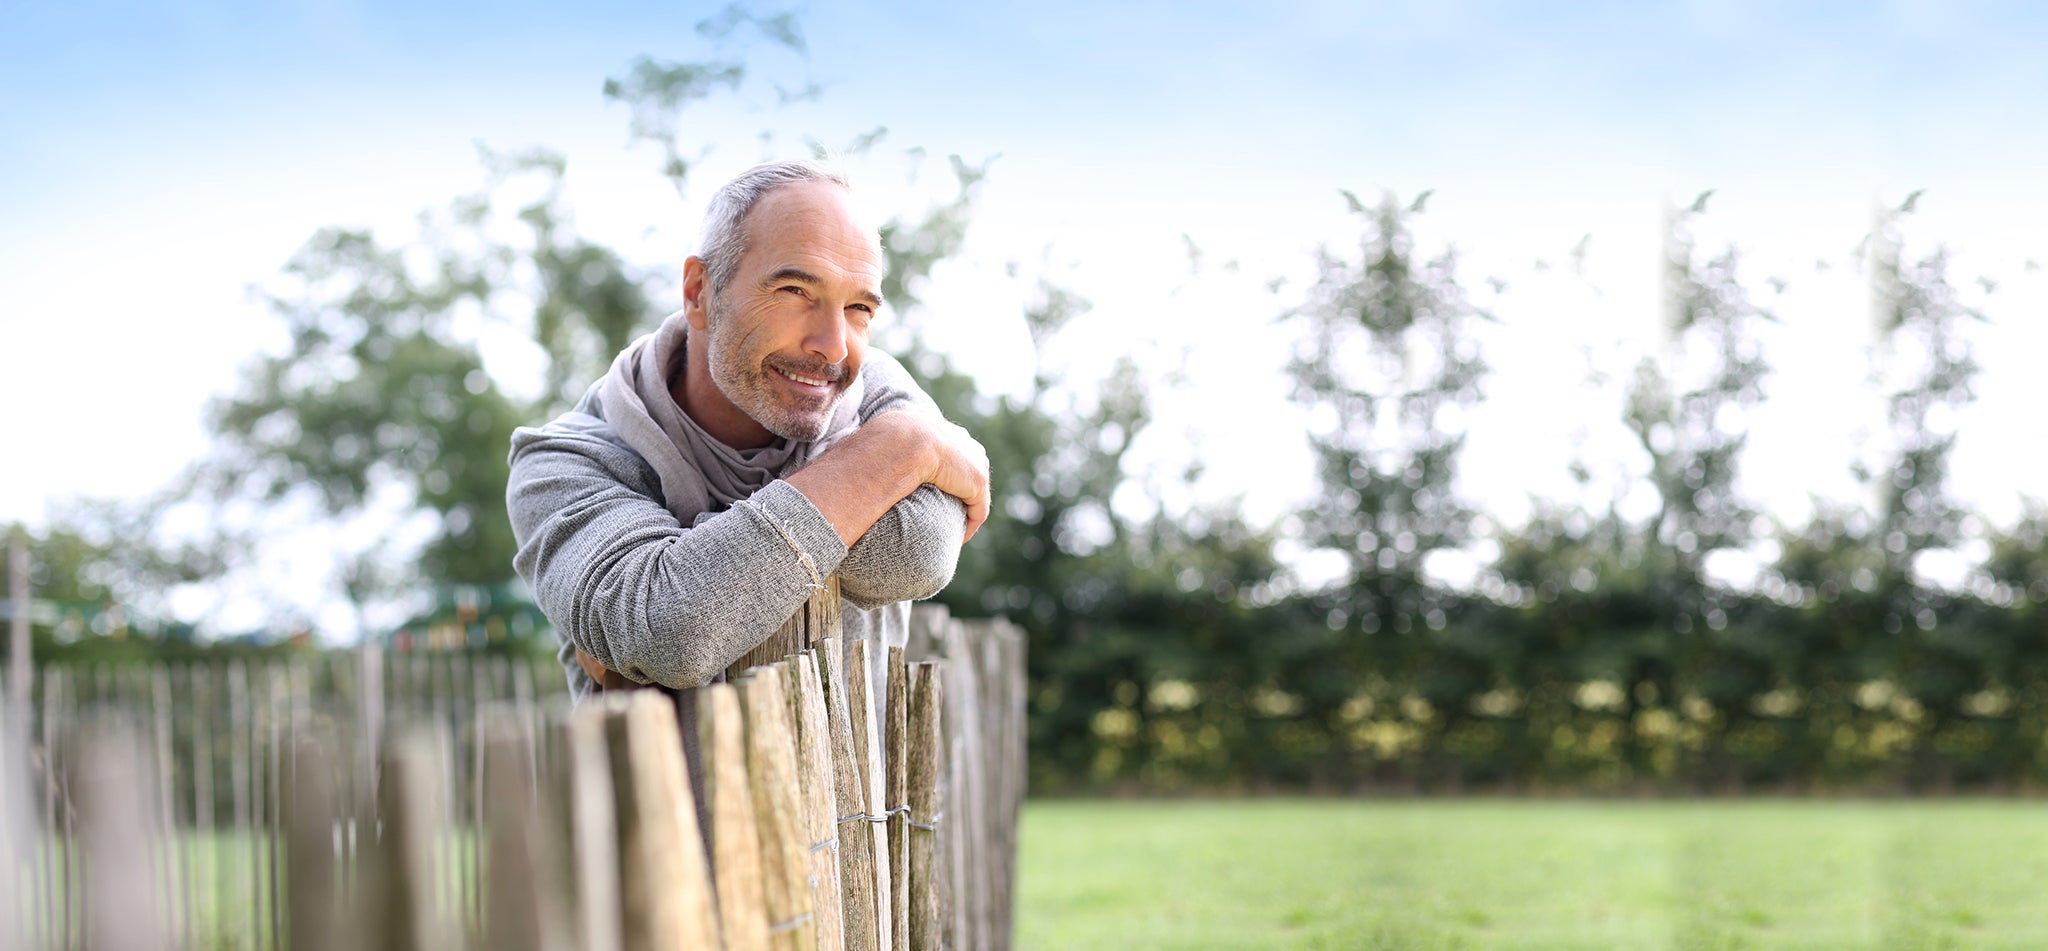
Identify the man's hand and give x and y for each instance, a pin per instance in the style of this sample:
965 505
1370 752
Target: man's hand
961 466
886 459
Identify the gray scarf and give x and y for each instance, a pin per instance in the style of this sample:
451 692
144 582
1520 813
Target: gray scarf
698 473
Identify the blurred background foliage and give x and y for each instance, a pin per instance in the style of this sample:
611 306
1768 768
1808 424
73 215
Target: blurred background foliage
1177 652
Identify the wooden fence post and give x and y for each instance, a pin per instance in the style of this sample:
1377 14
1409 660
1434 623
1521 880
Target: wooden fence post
59 886
825 613
771 774
313 898
849 804
165 806
522 905
120 894
868 749
930 626
735 848
976 781
240 729
273 797
896 794
664 884
815 777
1010 687
17 839
989 656
415 808
369 734
924 818
201 695
817 618
583 783
20 665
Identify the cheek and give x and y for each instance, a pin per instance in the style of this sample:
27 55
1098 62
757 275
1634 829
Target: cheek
754 332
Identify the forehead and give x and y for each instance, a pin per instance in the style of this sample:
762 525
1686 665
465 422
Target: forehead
811 225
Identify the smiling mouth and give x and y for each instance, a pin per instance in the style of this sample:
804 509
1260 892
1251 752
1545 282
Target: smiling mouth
800 378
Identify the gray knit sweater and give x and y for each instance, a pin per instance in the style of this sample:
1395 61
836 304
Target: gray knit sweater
667 595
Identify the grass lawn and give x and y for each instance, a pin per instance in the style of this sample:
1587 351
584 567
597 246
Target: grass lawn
1530 874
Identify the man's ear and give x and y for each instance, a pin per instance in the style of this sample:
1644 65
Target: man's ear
696 293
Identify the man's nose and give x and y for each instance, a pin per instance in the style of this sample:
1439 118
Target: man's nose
827 335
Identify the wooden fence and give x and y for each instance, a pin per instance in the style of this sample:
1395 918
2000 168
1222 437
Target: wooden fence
846 795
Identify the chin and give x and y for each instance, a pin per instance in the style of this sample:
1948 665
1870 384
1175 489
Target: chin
799 434
806 428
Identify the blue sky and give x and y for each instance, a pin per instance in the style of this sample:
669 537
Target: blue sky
155 159
1232 78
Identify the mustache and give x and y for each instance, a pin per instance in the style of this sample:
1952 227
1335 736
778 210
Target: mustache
815 369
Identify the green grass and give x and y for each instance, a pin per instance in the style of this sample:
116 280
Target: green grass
1524 874
220 888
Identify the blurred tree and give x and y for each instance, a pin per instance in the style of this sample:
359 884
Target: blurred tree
1926 369
1688 413
2013 583
1582 605
2016 573
1052 555
375 388
1387 367
1141 631
96 590
1822 586
382 386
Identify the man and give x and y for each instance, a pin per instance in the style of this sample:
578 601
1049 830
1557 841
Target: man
747 449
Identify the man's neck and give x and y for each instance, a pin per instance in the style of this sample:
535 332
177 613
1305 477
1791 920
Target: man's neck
700 399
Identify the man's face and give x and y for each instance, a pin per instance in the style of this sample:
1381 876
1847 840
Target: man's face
784 338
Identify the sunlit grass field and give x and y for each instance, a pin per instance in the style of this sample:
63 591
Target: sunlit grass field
1530 874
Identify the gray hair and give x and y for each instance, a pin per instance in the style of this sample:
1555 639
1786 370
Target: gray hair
725 233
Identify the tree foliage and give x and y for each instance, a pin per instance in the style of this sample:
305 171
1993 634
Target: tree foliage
1387 366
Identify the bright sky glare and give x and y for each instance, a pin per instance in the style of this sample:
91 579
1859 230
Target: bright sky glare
157 158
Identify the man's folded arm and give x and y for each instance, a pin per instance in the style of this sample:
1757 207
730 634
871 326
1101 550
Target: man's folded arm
910 553
627 584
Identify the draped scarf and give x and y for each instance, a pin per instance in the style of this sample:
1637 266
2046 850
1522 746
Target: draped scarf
698 473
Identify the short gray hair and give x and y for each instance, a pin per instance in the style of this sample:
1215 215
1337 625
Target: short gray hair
725 233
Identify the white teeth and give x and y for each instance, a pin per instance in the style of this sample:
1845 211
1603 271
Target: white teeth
800 379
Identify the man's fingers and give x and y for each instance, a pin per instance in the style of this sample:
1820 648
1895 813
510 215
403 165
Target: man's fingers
977 510
978 491
959 465
977 513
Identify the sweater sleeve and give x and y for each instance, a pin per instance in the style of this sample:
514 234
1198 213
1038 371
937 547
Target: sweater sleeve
627 584
911 552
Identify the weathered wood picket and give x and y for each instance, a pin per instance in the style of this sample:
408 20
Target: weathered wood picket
847 796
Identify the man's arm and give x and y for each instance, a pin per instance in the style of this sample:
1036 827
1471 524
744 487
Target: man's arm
910 553
859 480
627 584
